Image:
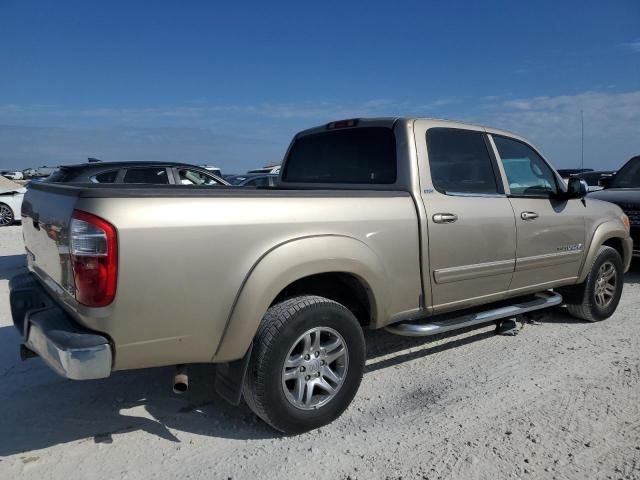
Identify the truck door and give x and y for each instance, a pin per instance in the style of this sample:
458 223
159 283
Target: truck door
470 233
550 230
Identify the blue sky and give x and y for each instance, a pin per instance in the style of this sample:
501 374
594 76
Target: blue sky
229 83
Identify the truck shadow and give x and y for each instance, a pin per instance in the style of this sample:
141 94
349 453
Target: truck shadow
41 409
11 265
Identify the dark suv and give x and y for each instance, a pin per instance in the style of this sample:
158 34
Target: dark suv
623 189
153 173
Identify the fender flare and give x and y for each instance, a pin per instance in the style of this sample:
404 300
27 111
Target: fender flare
286 263
603 232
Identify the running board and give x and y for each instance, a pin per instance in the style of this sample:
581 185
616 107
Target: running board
434 327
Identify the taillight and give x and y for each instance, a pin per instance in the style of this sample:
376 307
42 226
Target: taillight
94 255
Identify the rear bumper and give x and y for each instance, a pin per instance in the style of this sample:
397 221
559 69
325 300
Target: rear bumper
68 348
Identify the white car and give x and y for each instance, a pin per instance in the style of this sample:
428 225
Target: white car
10 203
17 175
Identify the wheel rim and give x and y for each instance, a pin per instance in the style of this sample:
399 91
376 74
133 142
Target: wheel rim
606 284
315 368
6 215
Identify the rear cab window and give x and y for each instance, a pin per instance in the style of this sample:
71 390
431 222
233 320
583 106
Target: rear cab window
364 155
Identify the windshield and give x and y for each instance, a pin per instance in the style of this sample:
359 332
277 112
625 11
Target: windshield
628 176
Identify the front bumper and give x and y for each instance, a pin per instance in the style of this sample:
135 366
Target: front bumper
47 330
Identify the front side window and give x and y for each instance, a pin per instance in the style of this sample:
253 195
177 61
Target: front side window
153 176
460 162
527 173
194 177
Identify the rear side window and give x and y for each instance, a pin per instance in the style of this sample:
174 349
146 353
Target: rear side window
153 176
460 162
364 155
106 177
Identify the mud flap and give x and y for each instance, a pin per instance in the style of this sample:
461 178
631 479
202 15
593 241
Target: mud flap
230 378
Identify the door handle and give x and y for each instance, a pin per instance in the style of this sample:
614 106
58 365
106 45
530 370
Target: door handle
445 217
528 215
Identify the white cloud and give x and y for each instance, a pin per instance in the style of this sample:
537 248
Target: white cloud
611 125
634 46
257 134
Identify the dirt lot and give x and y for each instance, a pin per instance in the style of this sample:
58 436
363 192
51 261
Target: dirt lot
560 400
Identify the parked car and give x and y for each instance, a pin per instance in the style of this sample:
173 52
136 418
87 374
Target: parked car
623 189
253 180
13 174
419 226
154 173
11 195
593 178
39 172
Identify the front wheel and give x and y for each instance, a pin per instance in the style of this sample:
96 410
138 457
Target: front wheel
6 215
306 365
598 297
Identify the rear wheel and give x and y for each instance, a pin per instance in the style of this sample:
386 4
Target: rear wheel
306 365
598 297
6 215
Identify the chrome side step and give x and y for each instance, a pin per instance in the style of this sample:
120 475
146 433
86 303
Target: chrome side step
434 327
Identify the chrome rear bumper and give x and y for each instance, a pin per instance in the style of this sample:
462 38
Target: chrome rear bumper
68 348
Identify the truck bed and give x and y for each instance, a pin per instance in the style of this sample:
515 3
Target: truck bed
185 253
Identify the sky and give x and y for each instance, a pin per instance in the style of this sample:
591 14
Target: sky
229 83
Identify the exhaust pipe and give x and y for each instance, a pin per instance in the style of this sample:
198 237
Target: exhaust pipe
180 379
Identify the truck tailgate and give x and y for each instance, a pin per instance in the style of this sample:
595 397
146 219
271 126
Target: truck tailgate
46 214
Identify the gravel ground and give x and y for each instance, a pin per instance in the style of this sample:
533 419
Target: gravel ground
560 400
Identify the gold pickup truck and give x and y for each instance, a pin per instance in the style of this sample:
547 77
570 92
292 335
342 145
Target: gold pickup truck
419 226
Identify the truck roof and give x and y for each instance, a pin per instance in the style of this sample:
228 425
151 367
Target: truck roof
391 121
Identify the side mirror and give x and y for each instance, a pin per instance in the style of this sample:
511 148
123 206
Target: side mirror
577 188
605 180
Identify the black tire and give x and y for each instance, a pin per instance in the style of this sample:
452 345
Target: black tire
581 299
281 327
6 215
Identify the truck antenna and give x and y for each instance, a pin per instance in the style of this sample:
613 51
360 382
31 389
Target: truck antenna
581 139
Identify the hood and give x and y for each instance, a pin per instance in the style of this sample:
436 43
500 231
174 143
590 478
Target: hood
617 195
